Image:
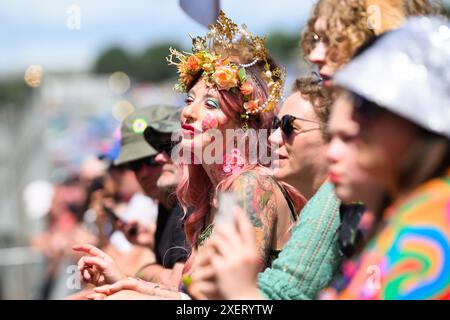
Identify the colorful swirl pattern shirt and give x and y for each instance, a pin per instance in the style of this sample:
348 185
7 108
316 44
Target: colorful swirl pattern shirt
410 256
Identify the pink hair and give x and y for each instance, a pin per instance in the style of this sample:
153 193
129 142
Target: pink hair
197 197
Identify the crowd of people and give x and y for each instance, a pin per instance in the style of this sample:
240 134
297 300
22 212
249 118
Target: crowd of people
341 190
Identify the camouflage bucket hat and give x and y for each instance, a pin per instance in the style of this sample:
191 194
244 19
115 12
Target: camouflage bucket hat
159 133
133 144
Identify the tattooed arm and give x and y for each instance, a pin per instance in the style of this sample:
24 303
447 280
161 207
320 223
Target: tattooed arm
256 195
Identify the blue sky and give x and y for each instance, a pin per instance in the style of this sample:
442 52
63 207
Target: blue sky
36 32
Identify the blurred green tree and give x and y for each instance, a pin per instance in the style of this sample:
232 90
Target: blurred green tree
113 59
284 47
14 91
446 10
152 66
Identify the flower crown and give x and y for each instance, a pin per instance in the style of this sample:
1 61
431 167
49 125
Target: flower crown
210 57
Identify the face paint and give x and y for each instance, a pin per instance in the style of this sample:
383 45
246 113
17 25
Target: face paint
209 122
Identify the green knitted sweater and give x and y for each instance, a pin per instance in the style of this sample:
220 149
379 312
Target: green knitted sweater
311 257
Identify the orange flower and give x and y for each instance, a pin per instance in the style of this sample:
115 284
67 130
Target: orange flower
252 106
193 64
247 88
186 78
226 77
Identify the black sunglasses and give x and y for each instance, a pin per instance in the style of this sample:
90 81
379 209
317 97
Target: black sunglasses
137 164
287 124
165 146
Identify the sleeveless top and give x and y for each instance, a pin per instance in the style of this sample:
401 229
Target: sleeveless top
312 255
273 254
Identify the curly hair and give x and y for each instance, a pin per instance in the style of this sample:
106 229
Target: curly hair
346 28
320 99
350 23
422 7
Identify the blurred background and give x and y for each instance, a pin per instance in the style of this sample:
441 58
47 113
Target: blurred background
70 71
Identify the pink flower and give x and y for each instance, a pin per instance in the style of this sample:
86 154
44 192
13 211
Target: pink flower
233 162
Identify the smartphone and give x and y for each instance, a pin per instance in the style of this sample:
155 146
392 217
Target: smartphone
111 214
225 213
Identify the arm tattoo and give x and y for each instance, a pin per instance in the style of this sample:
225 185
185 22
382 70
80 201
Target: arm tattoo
256 196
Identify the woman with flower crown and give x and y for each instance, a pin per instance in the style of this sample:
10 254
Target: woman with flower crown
233 88
232 84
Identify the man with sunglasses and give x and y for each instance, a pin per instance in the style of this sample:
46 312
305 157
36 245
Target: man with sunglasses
168 240
137 158
135 172
159 178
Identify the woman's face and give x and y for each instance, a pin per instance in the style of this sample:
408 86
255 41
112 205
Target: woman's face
351 182
318 54
302 153
202 116
384 143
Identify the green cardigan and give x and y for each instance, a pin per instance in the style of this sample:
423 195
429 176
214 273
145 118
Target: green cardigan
311 257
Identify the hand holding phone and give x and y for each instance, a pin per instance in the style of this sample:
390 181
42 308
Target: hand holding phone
225 213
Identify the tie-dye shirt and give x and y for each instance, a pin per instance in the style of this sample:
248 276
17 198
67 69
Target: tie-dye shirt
410 256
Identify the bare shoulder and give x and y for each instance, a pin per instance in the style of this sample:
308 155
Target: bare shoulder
260 185
256 195
257 178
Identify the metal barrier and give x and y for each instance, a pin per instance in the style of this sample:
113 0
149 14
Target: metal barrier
21 273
